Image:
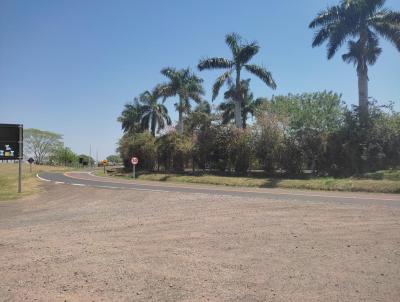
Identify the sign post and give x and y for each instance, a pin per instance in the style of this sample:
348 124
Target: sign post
20 142
30 161
11 146
134 162
105 162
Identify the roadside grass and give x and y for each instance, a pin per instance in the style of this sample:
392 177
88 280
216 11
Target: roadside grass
383 185
30 184
384 174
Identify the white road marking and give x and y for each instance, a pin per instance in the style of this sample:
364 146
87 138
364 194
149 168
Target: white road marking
41 178
108 187
228 191
60 182
80 185
221 191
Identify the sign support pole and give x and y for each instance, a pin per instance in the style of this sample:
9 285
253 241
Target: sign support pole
134 168
20 158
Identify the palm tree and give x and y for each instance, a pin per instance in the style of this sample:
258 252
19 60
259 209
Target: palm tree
200 118
249 104
153 114
184 84
130 117
362 19
242 53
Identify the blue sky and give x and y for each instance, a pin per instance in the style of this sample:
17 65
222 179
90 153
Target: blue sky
70 66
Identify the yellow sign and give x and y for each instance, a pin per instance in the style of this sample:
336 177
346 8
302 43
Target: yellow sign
105 162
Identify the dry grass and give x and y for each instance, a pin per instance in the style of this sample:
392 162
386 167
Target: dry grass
30 184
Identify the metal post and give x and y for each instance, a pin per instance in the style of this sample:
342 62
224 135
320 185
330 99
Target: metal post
20 156
134 168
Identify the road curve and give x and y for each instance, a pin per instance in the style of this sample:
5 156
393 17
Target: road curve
87 179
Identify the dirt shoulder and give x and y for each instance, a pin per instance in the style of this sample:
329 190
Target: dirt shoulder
88 244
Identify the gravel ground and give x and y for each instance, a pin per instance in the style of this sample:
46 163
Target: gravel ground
87 244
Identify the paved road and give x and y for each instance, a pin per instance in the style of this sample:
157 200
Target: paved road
87 179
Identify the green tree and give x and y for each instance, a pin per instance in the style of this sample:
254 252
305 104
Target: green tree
116 159
366 20
63 156
40 144
198 119
242 53
87 160
154 115
141 145
249 104
130 117
174 151
184 84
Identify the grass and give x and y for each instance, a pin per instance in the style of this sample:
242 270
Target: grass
384 185
30 184
383 175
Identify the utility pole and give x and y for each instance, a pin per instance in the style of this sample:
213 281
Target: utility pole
90 156
97 157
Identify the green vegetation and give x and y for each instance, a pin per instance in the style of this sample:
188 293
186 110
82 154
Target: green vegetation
40 144
242 53
30 184
186 86
365 20
322 183
292 136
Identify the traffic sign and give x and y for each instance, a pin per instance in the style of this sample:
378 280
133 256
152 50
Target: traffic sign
105 162
11 146
10 141
134 160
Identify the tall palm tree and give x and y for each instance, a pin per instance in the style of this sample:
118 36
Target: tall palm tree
184 84
130 117
362 19
249 104
153 114
242 53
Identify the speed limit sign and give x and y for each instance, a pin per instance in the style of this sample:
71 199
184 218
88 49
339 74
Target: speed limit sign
134 160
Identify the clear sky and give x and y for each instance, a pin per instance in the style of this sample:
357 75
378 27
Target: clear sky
70 66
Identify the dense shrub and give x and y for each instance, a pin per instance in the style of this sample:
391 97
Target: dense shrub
294 134
140 144
174 151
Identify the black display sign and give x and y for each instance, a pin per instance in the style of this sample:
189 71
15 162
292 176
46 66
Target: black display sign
9 141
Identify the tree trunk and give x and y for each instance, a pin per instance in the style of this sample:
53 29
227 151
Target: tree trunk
363 95
180 122
153 125
362 73
238 102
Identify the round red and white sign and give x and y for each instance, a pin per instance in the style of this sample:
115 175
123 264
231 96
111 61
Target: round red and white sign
134 160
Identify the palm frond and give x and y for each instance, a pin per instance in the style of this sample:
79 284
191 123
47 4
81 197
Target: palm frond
214 63
169 72
247 52
338 35
262 73
390 33
233 40
329 16
387 24
166 90
321 36
219 83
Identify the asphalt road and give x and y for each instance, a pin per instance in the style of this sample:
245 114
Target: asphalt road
86 179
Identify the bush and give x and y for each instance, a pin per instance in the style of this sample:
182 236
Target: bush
141 145
174 151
